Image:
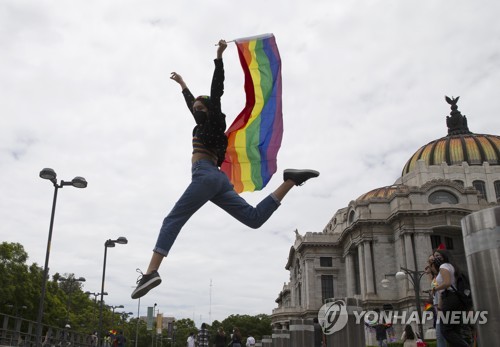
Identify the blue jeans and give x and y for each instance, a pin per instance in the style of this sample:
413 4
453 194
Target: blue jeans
208 183
440 340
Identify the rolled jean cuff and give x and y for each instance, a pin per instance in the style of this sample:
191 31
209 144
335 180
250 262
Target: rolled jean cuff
160 251
275 199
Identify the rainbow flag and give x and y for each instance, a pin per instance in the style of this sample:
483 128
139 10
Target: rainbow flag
255 136
427 307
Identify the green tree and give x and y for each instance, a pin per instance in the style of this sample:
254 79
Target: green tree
18 287
257 326
183 328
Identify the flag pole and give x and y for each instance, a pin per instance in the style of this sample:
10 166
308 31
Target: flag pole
226 42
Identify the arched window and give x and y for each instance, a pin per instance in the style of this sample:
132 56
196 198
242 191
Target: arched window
481 188
351 216
441 196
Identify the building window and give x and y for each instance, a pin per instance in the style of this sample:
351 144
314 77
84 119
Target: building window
441 196
448 241
351 216
326 287
497 190
325 262
435 241
481 188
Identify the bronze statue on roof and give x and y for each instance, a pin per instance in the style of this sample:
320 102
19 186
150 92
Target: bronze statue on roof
457 124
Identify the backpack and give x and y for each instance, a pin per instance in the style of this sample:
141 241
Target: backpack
463 291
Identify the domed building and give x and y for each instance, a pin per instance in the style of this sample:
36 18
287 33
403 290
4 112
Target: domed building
395 228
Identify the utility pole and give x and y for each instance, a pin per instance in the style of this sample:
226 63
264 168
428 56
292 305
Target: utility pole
210 310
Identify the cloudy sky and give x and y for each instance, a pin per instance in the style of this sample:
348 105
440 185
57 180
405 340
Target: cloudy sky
85 90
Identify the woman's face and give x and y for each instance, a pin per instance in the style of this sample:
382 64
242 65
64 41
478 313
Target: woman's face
438 256
199 106
429 264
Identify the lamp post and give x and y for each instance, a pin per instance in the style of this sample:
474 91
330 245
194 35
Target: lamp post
95 301
109 243
15 309
113 308
70 281
414 276
124 316
77 182
138 319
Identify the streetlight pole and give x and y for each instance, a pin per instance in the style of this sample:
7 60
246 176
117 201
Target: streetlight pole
109 243
123 317
77 182
414 277
70 281
137 325
114 308
95 301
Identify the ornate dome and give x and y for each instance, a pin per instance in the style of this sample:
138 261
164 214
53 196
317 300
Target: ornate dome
383 193
460 145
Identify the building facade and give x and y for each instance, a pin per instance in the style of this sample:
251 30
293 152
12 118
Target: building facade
364 244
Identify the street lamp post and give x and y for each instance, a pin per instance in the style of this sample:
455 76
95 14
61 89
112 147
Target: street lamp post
95 301
70 281
124 316
414 276
77 182
109 243
113 308
137 325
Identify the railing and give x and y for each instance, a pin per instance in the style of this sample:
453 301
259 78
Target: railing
16 331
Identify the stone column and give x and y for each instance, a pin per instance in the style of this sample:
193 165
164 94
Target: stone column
410 258
361 259
370 288
308 282
350 273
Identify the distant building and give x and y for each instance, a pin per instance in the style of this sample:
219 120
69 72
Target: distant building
394 226
167 322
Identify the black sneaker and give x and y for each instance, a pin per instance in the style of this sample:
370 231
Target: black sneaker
145 283
299 176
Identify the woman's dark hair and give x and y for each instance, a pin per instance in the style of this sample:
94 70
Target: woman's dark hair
447 258
410 335
205 100
237 333
431 267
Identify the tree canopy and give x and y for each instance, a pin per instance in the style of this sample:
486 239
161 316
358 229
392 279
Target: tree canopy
66 302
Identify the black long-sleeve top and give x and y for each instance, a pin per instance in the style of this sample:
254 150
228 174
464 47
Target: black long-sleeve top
210 134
